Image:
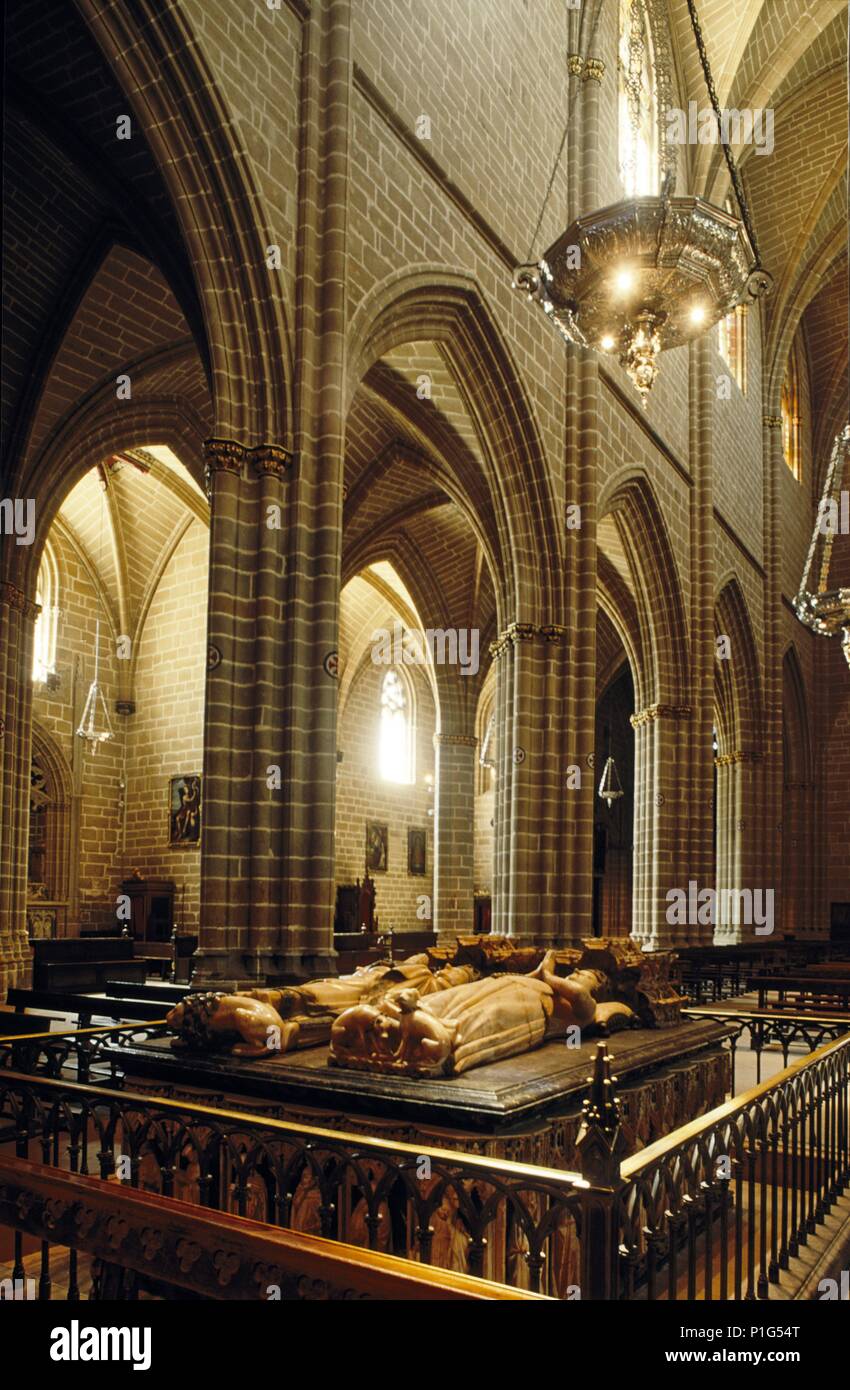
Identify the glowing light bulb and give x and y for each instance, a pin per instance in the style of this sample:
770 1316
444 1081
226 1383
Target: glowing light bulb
698 314
624 280
607 343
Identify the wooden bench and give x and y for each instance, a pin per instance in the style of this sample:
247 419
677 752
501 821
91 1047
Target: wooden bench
14 1025
80 964
802 993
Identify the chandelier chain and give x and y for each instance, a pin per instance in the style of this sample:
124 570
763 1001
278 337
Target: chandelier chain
727 152
570 108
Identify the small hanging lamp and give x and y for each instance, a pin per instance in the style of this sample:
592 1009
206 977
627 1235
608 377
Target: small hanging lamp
95 706
610 788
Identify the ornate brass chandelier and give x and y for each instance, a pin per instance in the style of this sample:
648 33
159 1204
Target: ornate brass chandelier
827 611
651 272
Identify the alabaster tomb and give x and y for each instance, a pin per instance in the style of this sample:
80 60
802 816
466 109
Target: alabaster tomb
444 1011
479 1047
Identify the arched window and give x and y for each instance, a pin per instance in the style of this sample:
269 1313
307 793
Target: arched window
395 744
790 412
638 110
47 597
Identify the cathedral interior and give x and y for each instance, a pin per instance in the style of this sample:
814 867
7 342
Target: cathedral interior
425 652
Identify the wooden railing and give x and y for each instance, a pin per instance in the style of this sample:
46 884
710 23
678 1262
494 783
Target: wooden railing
139 1241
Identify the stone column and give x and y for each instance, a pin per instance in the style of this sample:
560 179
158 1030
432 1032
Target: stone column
454 825
661 850
315 556
502 799
769 864
268 860
532 742
580 775
697 772
241 933
17 622
740 799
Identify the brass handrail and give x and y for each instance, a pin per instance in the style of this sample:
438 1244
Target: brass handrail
744 1015
84 1032
631 1167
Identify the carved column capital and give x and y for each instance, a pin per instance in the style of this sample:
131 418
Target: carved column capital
222 456
575 64
527 632
594 70
15 598
455 740
659 711
228 456
741 755
271 459
772 422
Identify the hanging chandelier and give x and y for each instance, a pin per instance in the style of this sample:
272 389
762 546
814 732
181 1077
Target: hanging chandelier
649 273
827 611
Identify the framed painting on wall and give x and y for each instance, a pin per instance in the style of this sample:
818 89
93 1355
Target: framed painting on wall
184 818
377 838
417 841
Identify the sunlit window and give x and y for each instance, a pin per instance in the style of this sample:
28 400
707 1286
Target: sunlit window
47 597
395 749
790 412
638 113
732 341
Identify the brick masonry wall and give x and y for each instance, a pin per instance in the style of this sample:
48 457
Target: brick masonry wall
256 54
98 775
363 796
165 735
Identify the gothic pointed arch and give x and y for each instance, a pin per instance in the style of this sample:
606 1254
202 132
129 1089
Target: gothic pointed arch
53 847
663 678
161 68
513 484
738 697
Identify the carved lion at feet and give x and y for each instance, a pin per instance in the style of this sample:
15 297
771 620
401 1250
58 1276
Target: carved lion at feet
244 1026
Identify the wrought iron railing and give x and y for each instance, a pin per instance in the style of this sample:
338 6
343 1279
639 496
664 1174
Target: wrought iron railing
766 1031
511 1222
721 1207
718 1209
87 1054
